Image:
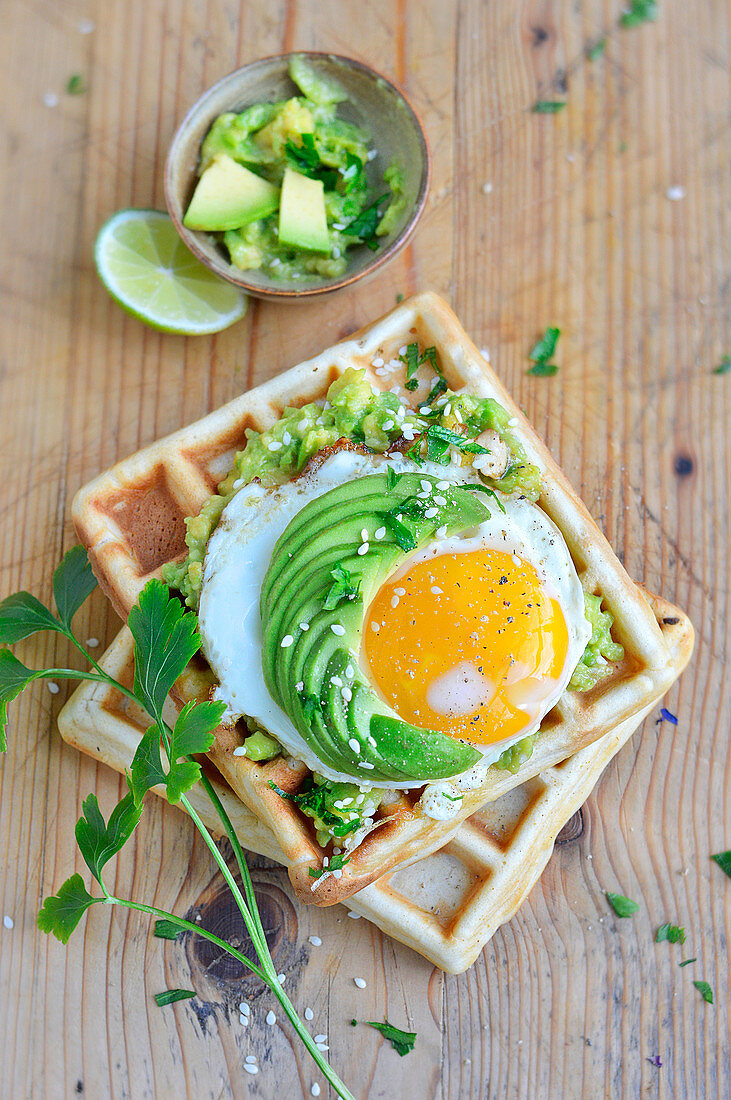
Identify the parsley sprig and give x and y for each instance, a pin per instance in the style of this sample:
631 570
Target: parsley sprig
165 638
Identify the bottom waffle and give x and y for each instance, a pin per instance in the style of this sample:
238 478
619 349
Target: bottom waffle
445 905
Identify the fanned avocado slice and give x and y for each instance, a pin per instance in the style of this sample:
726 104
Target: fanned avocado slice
334 717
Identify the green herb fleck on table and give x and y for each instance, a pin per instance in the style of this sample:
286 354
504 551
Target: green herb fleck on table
548 106
723 859
705 991
75 85
670 933
401 1041
596 51
724 366
622 906
542 352
639 11
165 639
170 996
687 962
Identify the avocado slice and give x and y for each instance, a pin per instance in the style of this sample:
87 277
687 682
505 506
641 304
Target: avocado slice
229 196
325 533
302 216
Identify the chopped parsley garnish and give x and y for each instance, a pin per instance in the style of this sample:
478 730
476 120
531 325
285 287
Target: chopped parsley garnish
687 962
542 353
337 862
342 588
170 996
724 366
401 534
401 1041
391 478
365 225
316 802
705 991
413 360
75 85
438 440
595 52
306 160
311 706
723 859
622 906
668 716
167 930
670 933
488 492
548 106
655 1061
639 11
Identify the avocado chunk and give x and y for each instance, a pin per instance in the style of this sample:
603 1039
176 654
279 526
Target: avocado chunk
316 591
229 196
302 216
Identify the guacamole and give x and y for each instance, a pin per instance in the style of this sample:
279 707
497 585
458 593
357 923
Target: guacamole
319 198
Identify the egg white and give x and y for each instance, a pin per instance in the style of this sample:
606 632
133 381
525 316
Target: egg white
240 550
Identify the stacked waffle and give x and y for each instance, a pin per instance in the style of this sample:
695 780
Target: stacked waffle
440 886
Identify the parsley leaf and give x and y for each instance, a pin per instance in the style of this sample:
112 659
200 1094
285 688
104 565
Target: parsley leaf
364 226
14 677
170 996
724 366
595 52
98 841
22 615
307 161
146 768
61 912
705 991
192 733
75 84
488 492
391 478
548 106
73 583
411 359
401 1041
671 933
623 907
166 638
687 962
337 862
439 439
543 370
640 11
723 859
343 587
544 349
167 930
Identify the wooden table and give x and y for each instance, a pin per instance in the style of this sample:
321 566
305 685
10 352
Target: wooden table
608 219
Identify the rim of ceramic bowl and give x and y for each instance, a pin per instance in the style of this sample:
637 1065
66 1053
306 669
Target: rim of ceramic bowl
287 293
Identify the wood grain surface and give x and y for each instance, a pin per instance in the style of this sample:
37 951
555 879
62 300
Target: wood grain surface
532 220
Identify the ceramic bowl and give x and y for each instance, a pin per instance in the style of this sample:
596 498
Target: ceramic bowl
373 103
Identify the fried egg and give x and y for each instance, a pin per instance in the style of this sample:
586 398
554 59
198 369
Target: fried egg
474 635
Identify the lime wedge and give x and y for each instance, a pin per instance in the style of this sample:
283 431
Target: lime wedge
147 269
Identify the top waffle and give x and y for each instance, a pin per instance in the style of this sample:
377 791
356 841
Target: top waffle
131 521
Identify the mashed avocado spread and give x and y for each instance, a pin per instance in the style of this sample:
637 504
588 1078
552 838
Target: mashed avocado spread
287 186
443 429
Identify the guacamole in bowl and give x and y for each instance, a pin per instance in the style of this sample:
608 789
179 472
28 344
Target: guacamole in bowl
297 174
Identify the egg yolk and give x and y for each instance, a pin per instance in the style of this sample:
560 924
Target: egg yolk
469 644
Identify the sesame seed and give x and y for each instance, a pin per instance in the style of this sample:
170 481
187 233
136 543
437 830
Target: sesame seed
321 1038
400 591
437 591
402 350
675 193
365 764
394 601
513 421
8 922
251 1069
430 513
380 533
50 99
447 410
303 626
271 1018
377 362
53 687
286 641
322 1046
426 486
92 643
302 425
443 484
240 750
244 1020
364 534
371 741
336 681
375 627
250 1059
315 1090
346 693
349 671
360 982
299 686
441 501
441 531
354 744
286 438
458 414
281 978
388 424
353 916
86 26
316 941
274 445
363 549
309 1014
337 873
338 630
